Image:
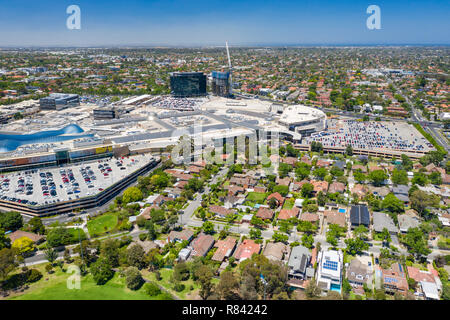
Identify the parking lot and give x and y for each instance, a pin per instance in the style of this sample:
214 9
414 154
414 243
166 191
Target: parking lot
51 185
372 135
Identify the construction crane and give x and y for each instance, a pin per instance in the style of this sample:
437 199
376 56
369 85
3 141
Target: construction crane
230 68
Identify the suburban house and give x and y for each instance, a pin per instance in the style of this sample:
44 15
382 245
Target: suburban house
405 222
360 190
283 182
382 192
276 251
220 211
265 213
233 202
429 285
311 217
359 215
286 214
358 273
363 169
278 197
179 236
334 217
394 279
319 186
329 271
401 192
336 187
202 244
224 249
381 221
246 249
300 263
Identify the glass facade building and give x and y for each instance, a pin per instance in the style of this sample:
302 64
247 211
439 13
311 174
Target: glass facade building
188 84
220 85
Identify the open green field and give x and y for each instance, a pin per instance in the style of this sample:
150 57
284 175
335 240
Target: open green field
256 197
165 276
102 224
55 288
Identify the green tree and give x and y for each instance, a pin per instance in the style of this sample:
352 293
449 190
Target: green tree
152 289
279 237
101 271
109 249
320 173
420 200
11 221
307 240
204 278
133 278
377 177
312 290
228 286
5 242
135 255
8 262
399 177
416 243
208 227
35 225
307 190
58 237
419 178
393 204
132 194
359 176
356 245
50 254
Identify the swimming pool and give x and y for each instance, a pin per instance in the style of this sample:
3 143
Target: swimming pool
10 142
341 210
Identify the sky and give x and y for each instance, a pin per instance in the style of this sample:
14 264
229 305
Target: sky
212 22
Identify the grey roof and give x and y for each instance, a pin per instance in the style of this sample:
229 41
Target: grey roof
359 214
400 189
381 221
405 222
299 258
402 197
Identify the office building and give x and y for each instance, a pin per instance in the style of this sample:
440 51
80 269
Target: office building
187 84
58 101
220 85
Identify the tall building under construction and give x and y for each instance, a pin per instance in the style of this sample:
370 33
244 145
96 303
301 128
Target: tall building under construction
220 84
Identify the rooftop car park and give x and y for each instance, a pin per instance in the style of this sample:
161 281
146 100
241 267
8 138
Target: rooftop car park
63 189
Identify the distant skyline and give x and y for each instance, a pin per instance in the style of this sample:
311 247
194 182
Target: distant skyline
212 22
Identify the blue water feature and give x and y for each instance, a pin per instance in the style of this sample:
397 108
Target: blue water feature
341 210
10 142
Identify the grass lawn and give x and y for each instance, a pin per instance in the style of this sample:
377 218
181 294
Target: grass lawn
75 232
256 197
164 282
288 204
102 224
56 289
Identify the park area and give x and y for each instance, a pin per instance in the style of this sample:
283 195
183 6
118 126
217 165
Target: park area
102 224
54 287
